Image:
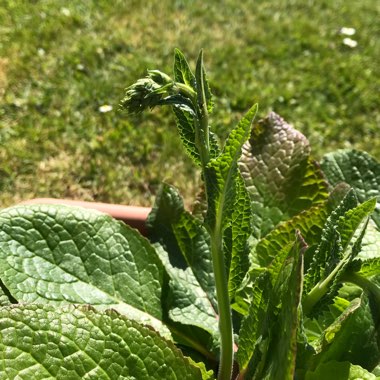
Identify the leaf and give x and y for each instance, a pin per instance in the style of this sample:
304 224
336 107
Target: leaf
351 337
186 129
59 255
43 342
370 267
221 173
203 88
182 71
334 255
289 286
279 174
335 370
268 335
329 250
236 238
184 248
359 170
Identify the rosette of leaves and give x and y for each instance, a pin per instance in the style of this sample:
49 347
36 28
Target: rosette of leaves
278 278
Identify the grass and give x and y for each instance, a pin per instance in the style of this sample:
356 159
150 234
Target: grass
61 61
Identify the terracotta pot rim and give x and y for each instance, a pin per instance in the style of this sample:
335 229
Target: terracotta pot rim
135 216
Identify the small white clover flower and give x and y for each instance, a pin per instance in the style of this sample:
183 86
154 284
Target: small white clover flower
349 42
105 108
65 11
347 31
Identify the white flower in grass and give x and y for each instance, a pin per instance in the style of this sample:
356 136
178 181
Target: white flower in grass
349 42
105 108
65 11
347 31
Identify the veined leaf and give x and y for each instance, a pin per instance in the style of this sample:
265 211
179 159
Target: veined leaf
273 319
335 370
351 337
329 251
203 88
221 173
279 174
60 254
236 238
334 255
185 253
370 267
359 170
43 342
186 129
182 71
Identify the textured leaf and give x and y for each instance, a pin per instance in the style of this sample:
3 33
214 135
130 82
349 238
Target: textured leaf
43 342
182 71
280 177
60 254
4 298
273 319
329 251
253 324
335 370
185 252
359 170
284 340
203 87
236 238
351 337
370 267
221 173
333 256
186 129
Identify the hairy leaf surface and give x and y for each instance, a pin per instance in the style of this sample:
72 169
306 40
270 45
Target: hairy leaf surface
43 342
279 174
60 254
359 170
185 253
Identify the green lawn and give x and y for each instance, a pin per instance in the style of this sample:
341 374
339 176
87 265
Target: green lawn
60 61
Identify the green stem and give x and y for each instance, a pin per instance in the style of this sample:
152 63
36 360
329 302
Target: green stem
319 290
363 282
225 321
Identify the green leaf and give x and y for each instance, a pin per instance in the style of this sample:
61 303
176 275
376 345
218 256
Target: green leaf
284 339
329 249
203 87
60 254
334 255
4 296
184 248
279 174
182 71
351 337
335 370
186 129
221 173
370 267
359 170
43 342
236 236
268 336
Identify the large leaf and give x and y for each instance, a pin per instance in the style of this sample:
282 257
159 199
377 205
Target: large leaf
184 248
351 337
336 251
335 370
60 254
279 174
359 170
43 342
267 346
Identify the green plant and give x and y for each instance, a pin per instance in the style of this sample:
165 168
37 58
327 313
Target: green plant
274 274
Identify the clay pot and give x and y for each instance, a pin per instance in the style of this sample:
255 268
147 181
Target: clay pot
134 216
